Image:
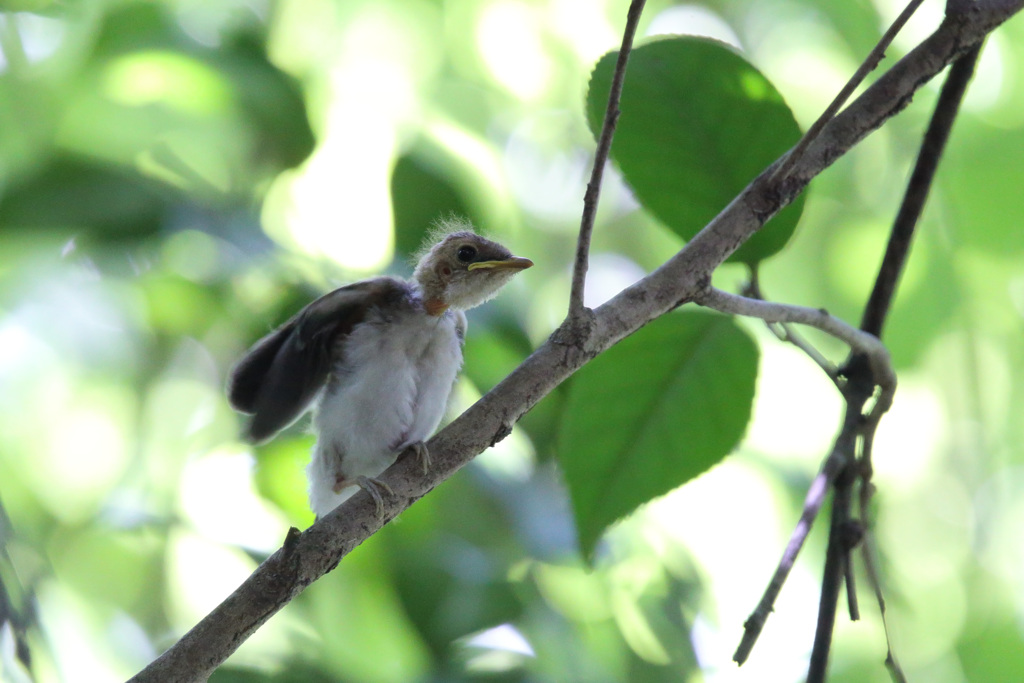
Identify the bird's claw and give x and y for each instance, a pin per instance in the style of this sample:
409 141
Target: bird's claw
373 487
422 454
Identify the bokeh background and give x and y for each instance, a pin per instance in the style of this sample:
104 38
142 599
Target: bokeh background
178 176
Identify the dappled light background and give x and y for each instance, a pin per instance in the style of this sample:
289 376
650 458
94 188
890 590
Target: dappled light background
178 176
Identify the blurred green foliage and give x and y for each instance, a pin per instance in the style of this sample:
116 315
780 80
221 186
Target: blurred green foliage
178 176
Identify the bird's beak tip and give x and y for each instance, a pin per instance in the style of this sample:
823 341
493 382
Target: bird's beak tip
511 263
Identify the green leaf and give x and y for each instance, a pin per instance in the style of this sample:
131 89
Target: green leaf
71 193
653 412
421 194
698 123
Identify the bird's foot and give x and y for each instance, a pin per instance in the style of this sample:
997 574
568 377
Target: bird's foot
420 451
373 487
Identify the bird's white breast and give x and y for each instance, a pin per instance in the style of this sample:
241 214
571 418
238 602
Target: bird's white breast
389 389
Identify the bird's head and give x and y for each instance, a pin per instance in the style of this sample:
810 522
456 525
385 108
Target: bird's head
462 270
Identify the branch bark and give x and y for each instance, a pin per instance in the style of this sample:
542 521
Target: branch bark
875 312
604 147
307 556
866 67
860 342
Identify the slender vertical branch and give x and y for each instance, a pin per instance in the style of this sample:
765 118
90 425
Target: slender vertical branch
604 145
832 580
865 374
918 187
875 312
849 576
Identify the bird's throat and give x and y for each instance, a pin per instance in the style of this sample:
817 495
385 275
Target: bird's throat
435 306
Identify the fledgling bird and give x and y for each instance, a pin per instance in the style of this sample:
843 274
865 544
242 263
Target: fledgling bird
378 358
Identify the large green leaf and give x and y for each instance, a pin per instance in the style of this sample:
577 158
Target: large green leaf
653 412
698 123
420 195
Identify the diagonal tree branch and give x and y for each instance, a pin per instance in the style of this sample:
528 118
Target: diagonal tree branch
816 493
309 555
866 67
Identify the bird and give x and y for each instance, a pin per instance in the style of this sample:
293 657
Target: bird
376 361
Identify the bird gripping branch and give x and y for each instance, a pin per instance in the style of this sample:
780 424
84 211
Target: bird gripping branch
376 360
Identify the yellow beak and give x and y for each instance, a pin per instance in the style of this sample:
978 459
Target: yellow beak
512 263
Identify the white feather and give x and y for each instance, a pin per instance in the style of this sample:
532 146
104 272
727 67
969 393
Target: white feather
388 390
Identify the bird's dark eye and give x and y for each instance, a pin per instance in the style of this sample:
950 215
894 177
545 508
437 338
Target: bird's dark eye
466 253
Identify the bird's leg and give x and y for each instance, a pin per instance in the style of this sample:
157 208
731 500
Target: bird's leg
340 481
373 487
421 453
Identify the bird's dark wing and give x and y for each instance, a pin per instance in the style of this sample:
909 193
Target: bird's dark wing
282 373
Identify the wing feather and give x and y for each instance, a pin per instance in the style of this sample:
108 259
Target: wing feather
283 372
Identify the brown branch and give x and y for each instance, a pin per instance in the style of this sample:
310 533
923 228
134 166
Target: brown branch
875 313
867 66
319 549
849 578
816 493
918 188
897 250
604 146
838 566
832 579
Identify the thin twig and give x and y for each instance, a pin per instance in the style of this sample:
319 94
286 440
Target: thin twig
874 57
849 578
871 570
838 568
604 145
918 188
856 393
897 250
816 493
841 460
859 341
832 578
785 332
